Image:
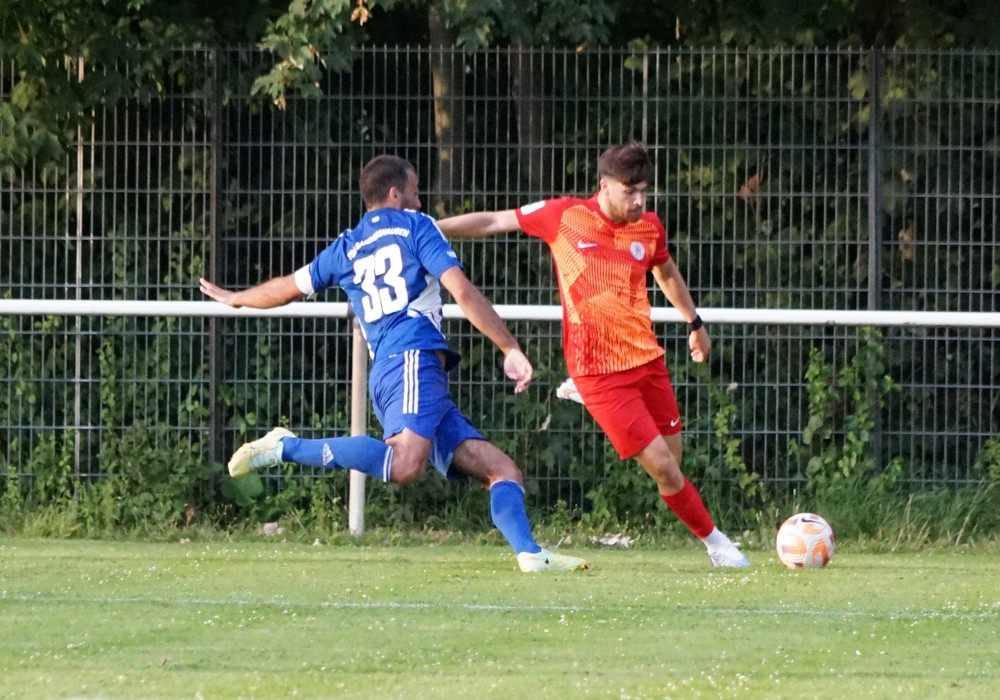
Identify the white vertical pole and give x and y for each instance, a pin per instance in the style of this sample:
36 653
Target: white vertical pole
359 426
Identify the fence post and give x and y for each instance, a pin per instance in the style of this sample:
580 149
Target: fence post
359 426
215 202
875 90
876 68
78 340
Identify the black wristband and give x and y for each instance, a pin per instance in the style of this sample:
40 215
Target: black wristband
695 324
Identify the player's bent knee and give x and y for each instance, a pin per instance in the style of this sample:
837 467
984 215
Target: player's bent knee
498 466
506 470
669 488
668 476
404 473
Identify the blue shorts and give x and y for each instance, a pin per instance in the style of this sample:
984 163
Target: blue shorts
410 390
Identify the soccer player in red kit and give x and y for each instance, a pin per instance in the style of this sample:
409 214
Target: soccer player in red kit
602 248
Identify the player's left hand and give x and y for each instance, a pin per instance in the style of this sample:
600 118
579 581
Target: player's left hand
517 367
700 344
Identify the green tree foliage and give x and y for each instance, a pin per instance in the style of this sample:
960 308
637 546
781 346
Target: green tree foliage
789 239
310 36
61 52
483 23
857 23
67 56
71 58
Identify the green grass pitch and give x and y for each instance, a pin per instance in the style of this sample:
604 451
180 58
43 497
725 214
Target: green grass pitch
267 619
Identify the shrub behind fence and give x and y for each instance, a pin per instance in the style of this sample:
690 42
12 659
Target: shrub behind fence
787 179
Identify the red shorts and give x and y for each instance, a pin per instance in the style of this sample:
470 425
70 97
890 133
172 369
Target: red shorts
632 407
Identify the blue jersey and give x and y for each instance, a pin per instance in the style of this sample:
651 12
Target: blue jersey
389 265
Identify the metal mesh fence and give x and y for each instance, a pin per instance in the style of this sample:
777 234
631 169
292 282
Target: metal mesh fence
787 179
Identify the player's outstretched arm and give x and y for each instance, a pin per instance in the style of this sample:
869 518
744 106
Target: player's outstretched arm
482 315
275 292
669 278
479 224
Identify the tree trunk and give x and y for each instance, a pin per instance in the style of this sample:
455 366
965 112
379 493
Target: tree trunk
529 103
448 83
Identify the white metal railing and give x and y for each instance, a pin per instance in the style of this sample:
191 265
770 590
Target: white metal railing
359 366
509 312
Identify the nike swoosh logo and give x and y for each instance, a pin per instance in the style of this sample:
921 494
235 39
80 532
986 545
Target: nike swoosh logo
583 245
674 422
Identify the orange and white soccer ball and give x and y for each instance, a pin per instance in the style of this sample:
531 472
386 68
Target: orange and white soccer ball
805 541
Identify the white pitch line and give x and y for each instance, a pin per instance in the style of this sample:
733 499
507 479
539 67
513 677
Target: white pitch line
493 607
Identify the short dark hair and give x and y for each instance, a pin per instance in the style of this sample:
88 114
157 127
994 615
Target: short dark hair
628 163
380 175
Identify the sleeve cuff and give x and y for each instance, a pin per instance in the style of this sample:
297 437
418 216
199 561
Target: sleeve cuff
303 280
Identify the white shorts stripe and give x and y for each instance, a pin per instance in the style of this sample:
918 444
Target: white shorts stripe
411 383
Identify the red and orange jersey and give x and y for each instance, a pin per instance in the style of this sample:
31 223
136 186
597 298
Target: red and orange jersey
602 271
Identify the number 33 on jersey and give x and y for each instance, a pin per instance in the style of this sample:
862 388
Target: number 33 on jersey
389 266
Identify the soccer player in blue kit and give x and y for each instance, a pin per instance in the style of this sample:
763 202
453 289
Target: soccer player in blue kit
392 266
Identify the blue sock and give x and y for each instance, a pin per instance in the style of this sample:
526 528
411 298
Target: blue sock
360 452
507 509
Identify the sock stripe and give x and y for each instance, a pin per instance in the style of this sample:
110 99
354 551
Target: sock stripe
387 465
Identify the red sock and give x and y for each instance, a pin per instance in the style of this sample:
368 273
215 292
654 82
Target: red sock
688 506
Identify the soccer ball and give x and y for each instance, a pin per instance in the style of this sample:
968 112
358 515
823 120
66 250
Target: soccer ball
805 541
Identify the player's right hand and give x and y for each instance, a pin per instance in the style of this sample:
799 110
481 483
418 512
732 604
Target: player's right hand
216 292
517 367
